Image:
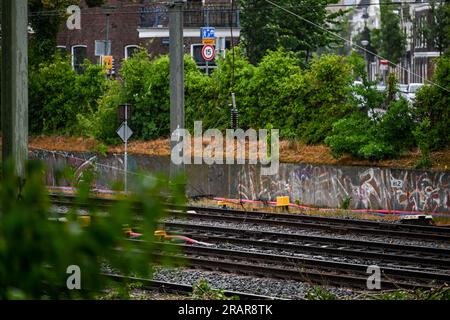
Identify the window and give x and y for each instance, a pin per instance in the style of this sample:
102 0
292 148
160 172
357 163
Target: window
61 50
130 51
79 53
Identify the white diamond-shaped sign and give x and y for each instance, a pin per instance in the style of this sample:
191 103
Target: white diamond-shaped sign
124 132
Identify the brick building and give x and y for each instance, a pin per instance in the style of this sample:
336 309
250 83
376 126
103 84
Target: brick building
122 26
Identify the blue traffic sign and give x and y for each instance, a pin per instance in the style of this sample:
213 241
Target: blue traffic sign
208 33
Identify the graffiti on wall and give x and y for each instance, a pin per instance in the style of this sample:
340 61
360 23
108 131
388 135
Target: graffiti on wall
368 188
323 186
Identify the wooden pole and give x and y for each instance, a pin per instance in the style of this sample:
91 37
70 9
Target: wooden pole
14 75
176 76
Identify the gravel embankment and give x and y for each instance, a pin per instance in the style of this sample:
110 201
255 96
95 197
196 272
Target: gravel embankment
286 289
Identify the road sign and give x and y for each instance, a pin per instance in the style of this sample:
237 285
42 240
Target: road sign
384 65
208 35
124 132
209 41
107 61
208 52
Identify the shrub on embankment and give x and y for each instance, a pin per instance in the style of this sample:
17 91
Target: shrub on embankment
314 103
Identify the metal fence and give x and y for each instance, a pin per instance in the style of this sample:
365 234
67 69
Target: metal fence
157 17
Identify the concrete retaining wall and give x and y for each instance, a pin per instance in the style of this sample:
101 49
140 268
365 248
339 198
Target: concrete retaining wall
321 185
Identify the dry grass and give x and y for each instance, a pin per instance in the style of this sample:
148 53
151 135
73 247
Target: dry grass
159 147
334 213
339 213
63 143
290 151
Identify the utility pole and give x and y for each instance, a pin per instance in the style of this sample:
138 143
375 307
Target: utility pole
176 75
207 24
15 84
126 151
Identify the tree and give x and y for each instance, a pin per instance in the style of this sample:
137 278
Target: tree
366 34
437 30
432 103
265 27
46 18
389 40
256 15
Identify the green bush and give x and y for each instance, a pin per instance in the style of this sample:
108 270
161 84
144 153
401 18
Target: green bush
273 94
103 123
319 293
325 98
52 96
211 100
422 136
203 291
397 126
147 89
57 94
363 138
311 103
349 135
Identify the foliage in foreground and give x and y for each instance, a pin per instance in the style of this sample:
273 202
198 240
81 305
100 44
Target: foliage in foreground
319 293
203 291
36 251
442 293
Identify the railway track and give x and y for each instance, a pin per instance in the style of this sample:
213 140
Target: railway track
301 269
415 266
297 243
178 288
297 221
322 223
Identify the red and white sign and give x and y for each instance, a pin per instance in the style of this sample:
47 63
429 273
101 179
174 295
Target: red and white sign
208 52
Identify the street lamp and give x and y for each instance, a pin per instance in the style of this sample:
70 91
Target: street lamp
365 43
107 10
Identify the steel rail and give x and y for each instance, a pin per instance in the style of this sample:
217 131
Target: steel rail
289 220
303 269
172 287
329 245
323 223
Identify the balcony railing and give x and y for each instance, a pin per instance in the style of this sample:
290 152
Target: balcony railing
157 17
